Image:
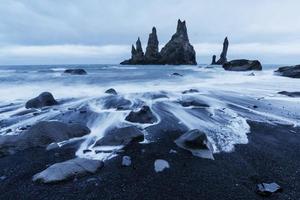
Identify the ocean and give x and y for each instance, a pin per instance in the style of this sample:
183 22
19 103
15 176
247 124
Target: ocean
220 104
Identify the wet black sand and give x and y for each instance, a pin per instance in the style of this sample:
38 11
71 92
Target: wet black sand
272 155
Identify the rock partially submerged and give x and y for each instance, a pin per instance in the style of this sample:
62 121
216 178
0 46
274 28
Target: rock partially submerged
290 94
223 56
178 51
44 99
116 102
267 189
40 135
289 71
121 136
143 116
67 170
75 71
242 65
197 143
111 91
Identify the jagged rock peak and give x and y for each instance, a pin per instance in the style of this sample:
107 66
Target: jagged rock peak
152 55
139 48
223 56
181 30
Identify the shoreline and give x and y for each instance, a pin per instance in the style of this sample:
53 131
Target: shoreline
270 156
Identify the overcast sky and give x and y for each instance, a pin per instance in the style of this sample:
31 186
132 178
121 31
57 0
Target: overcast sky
98 31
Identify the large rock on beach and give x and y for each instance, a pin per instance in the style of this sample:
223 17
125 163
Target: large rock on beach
143 116
44 99
121 136
242 65
197 143
67 170
289 71
40 135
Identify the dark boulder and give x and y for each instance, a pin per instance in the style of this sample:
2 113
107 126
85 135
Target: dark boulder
176 74
44 99
223 56
75 71
116 102
289 71
267 189
42 134
121 136
152 54
179 51
197 143
143 116
290 94
188 101
111 91
242 65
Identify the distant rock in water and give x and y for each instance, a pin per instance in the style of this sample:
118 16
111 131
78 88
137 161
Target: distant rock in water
111 91
152 55
75 71
242 65
223 56
44 99
214 62
289 71
290 94
178 51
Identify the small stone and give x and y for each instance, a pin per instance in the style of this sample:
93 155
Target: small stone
172 151
87 151
126 161
267 189
160 165
52 146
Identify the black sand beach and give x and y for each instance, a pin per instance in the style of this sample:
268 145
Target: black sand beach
272 155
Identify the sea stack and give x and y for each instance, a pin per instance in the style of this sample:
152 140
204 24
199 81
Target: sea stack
223 56
137 55
178 51
152 54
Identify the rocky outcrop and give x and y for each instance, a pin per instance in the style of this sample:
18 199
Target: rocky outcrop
40 135
223 56
152 55
137 55
289 71
242 65
178 51
290 94
111 91
197 143
143 116
44 99
213 61
67 170
75 71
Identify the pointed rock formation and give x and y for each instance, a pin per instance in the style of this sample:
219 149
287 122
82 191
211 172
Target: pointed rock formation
214 62
179 51
223 56
152 55
137 55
